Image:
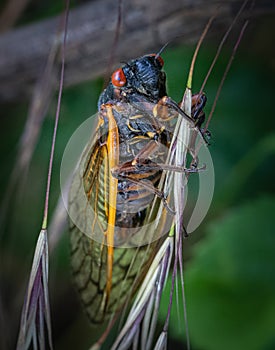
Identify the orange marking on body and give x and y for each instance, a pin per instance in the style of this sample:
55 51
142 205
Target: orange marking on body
106 173
113 160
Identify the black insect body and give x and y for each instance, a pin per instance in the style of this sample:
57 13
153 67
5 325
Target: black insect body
123 166
142 77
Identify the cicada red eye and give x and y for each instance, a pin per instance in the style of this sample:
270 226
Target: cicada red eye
158 58
118 78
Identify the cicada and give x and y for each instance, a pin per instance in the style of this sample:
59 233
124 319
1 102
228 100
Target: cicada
127 213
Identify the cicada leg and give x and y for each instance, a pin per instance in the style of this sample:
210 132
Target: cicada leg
163 111
198 103
141 162
197 114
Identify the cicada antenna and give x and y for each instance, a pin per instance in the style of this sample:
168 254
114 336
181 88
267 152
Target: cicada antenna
162 49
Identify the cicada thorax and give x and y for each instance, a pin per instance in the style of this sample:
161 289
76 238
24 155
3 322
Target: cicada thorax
121 170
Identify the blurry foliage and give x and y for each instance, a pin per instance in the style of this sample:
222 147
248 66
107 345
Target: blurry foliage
230 283
230 272
37 10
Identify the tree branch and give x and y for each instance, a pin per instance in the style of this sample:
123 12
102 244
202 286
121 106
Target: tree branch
146 26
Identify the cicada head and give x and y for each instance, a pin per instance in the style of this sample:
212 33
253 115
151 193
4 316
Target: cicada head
142 76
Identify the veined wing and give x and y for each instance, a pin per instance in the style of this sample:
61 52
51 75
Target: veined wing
106 276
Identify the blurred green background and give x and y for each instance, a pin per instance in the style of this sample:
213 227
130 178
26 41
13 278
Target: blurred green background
229 260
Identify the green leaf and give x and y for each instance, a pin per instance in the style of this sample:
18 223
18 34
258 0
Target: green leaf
230 284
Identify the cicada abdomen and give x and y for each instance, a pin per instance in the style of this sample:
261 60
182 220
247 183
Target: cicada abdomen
124 213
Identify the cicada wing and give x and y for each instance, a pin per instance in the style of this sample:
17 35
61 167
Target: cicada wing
89 263
89 210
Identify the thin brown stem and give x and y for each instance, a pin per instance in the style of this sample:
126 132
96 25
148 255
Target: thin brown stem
57 114
221 45
190 76
225 74
115 43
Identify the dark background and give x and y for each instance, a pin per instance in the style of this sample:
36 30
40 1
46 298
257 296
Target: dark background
229 260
